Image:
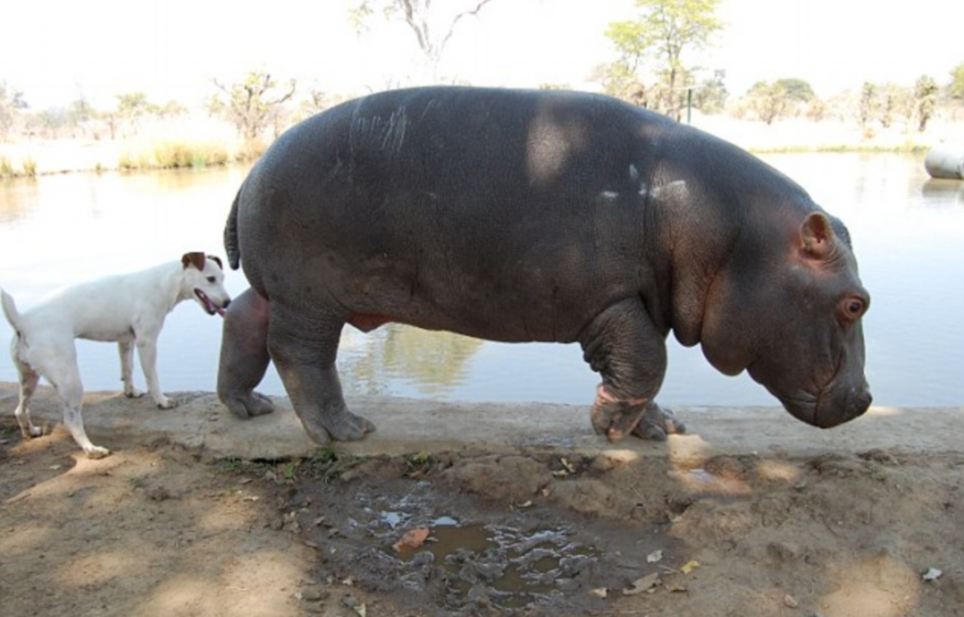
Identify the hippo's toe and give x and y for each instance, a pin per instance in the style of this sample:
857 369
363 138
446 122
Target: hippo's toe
656 423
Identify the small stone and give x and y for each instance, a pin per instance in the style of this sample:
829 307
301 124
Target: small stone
646 583
931 575
158 493
790 601
654 557
599 592
313 593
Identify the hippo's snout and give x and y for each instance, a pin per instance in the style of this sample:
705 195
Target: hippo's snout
832 407
840 409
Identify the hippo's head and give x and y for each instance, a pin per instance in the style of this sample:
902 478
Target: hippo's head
788 308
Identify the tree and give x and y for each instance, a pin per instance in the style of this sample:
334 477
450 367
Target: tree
710 95
251 104
772 100
894 101
11 102
663 32
619 79
769 100
925 98
432 30
867 108
956 88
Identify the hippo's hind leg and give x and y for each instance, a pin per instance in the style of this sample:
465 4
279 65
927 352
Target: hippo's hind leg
303 348
244 356
627 349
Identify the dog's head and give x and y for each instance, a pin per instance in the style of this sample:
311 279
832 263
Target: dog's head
203 280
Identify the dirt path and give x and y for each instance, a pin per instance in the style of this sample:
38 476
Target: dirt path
165 530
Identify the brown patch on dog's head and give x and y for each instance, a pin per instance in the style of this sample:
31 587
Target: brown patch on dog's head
216 260
195 259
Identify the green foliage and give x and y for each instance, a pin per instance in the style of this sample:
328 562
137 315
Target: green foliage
11 102
925 99
6 169
956 87
661 34
29 167
796 89
867 107
710 95
251 104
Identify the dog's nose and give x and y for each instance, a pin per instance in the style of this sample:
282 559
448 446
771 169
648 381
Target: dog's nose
226 303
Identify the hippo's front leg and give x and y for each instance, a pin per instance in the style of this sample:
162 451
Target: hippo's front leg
303 349
627 349
244 356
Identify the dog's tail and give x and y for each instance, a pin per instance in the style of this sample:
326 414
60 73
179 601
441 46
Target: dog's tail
10 311
231 234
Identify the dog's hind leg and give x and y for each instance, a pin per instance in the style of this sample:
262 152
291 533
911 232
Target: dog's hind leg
59 367
28 385
244 356
126 349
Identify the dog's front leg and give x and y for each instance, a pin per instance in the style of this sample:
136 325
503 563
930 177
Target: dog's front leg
147 352
126 349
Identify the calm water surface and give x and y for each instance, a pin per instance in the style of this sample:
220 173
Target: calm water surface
908 233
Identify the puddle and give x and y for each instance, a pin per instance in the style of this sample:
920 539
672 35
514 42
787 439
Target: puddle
477 556
511 567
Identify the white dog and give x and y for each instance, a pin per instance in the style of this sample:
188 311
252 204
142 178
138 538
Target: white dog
128 309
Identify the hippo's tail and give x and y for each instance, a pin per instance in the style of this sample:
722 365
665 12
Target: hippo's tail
231 235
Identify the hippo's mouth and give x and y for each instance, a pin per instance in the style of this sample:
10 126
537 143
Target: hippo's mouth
824 410
206 302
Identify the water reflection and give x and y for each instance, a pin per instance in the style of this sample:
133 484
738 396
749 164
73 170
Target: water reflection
940 192
908 233
433 362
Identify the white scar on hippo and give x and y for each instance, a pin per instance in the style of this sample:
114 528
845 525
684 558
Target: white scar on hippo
515 216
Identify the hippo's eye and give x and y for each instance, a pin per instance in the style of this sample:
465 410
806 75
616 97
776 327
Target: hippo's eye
853 308
211 279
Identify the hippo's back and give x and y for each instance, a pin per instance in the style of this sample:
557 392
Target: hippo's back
496 213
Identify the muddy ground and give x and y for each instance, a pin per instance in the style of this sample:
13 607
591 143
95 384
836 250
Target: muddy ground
167 530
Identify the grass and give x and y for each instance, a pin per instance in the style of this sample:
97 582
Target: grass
28 168
325 465
175 155
906 148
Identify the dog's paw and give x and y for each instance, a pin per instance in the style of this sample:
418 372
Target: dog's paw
133 393
32 431
165 403
96 452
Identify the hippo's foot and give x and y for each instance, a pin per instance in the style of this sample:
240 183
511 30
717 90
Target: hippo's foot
656 423
340 426
248 404
615 418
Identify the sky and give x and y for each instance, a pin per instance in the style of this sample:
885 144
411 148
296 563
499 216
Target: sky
55 51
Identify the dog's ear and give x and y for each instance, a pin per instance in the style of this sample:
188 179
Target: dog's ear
216 260
193 259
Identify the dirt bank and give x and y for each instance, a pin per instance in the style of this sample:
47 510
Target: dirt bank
542 528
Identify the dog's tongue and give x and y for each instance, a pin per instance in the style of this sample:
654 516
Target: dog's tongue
220 311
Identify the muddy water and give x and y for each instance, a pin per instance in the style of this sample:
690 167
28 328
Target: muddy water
478 554
908 233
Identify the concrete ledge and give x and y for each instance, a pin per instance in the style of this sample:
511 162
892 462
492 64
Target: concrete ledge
408 425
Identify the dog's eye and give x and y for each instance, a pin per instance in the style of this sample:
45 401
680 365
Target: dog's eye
211 279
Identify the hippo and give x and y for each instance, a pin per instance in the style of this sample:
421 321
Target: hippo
519 215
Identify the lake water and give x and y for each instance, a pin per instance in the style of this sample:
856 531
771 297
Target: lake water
908 233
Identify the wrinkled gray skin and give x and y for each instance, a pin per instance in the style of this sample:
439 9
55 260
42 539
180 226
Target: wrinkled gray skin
537 216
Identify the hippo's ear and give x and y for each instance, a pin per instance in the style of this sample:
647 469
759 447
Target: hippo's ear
816 236
193 259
